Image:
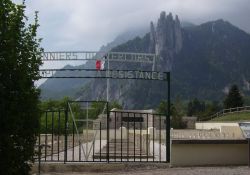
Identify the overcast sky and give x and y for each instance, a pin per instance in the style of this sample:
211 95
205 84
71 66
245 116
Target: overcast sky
88 24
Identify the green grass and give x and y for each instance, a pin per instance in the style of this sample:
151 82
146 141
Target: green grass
240 116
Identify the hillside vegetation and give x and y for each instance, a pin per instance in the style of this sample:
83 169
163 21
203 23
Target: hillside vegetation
239 116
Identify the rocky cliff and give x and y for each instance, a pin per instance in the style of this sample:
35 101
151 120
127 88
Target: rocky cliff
166 40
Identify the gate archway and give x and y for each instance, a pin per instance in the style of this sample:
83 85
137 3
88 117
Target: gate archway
119 135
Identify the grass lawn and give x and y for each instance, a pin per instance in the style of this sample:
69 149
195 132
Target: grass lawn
240 116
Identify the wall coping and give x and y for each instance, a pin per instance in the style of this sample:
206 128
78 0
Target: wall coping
212 141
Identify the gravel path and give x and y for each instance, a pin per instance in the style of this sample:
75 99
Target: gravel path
175 171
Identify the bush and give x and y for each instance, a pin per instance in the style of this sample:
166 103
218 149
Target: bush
20 58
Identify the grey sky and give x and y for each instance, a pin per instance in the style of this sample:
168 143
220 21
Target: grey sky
88 24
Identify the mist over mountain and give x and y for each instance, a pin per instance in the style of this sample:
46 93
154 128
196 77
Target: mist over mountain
204 60
58 88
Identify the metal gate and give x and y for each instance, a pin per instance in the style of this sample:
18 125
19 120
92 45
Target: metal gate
87 131
52 140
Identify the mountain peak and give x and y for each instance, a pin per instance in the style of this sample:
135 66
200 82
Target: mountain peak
221 26
166 38
170 17
219 21
166 19
162 15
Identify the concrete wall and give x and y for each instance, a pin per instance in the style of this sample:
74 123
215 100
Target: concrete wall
235 131
213 125
118 134
209 154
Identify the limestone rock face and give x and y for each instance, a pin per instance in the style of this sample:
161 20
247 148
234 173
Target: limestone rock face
152 38
166 40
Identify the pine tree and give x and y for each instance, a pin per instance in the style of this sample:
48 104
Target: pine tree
20 57
234 98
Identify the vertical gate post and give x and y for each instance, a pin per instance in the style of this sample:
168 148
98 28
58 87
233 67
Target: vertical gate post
168 121
39 146
65 134
108 132
248 152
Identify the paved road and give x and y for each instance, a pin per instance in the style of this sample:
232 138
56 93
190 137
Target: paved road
174 171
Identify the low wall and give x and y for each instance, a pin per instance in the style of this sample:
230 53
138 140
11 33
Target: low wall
209 152
213 125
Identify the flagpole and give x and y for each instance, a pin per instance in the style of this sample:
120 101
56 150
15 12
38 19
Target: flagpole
108 81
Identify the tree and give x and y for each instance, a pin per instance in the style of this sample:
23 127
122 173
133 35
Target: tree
179 105
54 104
162 108
176 118
234 98
195 107
211 107
20 57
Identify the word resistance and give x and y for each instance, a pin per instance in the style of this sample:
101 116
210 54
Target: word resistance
120 74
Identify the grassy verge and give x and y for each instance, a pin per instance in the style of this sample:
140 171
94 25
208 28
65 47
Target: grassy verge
240 116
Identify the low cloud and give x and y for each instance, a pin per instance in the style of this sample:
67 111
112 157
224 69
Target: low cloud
88 24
